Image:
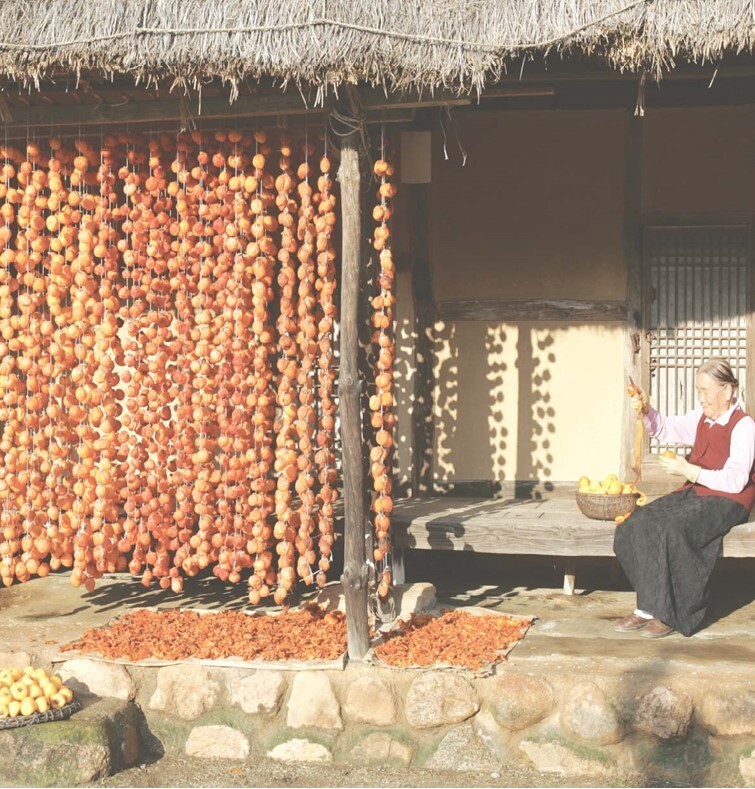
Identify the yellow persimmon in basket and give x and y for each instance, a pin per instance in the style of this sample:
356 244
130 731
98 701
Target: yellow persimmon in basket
31 690
609 498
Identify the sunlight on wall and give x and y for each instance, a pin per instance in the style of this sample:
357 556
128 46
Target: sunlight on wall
527 402
587 398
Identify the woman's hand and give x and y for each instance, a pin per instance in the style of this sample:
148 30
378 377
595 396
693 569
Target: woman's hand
678 465
639 400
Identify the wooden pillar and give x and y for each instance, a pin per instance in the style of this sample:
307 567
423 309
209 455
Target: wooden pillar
633 260
355 571
424 321
570 575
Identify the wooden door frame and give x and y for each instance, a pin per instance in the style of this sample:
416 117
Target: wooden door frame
635 222
701 221
633 139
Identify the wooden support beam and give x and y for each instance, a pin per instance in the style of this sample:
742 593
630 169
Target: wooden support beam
633 261
159 110
376 102
532 310
570 576
749 376
378 107
376 99
548 92
523 73
355 571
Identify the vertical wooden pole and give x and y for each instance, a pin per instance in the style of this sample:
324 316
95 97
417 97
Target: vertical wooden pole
749 379
570 575
355 576
633 261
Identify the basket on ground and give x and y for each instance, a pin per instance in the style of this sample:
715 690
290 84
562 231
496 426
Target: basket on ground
59 714
606 507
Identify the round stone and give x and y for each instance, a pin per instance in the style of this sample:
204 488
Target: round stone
588 715
440 699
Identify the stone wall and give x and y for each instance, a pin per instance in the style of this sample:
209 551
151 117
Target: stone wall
679 729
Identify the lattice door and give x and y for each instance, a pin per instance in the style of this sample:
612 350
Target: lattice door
696 286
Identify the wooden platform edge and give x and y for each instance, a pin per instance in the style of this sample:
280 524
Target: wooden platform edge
471 525
567 536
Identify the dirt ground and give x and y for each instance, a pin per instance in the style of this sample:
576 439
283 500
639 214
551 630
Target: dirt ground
39 616
175 771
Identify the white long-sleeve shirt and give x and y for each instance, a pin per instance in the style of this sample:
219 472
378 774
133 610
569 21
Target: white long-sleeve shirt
733 477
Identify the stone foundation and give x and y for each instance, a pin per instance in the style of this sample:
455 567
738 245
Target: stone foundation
108 735
659 729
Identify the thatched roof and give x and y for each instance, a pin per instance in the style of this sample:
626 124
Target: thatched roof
419 44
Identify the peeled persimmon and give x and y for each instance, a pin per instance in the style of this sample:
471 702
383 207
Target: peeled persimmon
152 388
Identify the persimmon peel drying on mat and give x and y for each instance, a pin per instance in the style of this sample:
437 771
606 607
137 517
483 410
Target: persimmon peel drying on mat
455 638
309 634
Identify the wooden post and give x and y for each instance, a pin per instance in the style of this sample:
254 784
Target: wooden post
355 571
570 575
633 261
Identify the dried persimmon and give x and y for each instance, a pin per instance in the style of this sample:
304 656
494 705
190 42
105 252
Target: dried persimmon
177 635
455 638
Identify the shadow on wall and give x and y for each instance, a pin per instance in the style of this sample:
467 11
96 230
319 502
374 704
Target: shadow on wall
535 422
446 411
495 345
490 384
404 370
471 434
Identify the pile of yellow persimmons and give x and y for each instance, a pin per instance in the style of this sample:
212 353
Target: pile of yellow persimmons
612 486
29 691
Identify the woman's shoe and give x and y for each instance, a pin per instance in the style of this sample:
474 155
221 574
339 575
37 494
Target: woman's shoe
657 629
630 623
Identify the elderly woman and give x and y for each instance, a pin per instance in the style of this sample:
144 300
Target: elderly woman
668 548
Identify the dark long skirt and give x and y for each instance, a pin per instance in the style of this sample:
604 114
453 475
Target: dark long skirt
668 548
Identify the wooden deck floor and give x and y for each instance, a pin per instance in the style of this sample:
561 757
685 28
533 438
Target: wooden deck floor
552 527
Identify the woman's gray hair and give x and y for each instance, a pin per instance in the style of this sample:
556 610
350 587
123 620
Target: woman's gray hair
719 370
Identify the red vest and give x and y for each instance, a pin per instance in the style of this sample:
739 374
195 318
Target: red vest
711 450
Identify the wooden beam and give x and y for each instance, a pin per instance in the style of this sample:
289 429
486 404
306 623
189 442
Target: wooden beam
159 110
532 310
529 83
375 99
355 575
518 90
633 338
424 351
377 105
558 72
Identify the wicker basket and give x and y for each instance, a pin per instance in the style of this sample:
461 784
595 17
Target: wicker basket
41 717
604 506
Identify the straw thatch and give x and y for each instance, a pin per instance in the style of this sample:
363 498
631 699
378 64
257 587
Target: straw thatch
419 44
